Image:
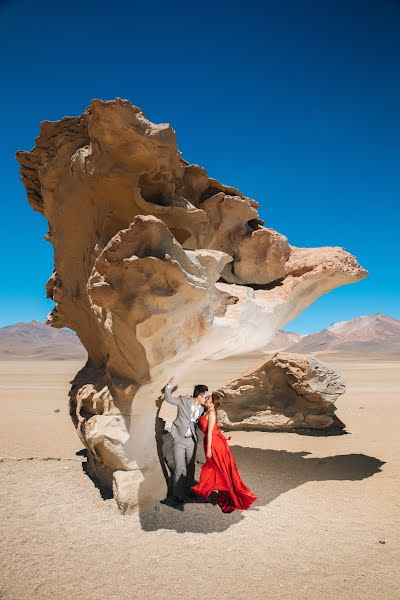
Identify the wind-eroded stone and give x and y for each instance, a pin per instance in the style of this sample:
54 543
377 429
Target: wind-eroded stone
287 391
156 266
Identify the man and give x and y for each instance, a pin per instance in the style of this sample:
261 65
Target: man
185 436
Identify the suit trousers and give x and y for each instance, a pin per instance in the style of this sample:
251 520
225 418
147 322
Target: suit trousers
184 458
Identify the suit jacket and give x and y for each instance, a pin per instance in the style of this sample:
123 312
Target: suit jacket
184 417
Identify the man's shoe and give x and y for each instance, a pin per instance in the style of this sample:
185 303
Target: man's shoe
172 502
177 500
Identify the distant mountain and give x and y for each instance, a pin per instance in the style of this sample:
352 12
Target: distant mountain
370 335
283 339
378 327
35 340
376 334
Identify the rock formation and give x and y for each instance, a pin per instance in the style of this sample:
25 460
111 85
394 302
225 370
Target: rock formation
156 265
286 392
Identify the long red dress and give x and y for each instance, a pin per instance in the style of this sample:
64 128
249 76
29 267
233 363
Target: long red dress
220 473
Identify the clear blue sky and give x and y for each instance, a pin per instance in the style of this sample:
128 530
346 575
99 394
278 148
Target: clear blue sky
297 103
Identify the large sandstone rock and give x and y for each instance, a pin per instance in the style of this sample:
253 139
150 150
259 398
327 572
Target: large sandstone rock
287 391
156 266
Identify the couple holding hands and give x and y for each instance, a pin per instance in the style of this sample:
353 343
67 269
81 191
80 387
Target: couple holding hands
219 473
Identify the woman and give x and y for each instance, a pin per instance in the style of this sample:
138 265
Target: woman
219 473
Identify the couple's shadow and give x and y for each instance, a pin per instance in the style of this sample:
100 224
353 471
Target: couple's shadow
269 473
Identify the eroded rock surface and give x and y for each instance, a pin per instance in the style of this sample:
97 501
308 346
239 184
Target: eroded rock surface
287 391
156 265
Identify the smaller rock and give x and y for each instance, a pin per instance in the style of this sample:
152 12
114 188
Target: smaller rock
287 391
126 486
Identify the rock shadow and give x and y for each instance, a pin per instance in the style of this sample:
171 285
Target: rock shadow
269 473
105 492
164 443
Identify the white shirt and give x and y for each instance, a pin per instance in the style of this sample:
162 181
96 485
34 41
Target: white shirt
195 416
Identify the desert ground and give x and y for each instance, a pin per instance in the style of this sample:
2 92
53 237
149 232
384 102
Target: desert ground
325 526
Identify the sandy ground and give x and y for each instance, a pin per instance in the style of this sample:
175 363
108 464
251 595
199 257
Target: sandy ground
326 525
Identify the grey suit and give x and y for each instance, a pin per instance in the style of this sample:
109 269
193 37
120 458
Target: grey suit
184 447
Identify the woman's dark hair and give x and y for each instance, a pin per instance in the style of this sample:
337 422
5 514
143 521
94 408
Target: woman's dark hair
216 400
199 389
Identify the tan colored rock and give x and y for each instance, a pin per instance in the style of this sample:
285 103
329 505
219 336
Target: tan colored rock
126 489
287 391
156 266
260 253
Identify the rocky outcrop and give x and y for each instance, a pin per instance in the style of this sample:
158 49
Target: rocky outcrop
286 392
156 265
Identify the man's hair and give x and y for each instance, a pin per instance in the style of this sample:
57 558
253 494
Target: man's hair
199 389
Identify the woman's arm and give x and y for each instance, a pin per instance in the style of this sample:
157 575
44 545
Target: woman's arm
211 424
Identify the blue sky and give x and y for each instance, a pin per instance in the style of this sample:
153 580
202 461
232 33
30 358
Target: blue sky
294 102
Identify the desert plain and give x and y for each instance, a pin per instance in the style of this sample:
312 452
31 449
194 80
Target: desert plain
326 524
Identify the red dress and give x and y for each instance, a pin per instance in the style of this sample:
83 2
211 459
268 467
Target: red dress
220 473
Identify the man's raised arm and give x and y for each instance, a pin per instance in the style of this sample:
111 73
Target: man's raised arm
168 397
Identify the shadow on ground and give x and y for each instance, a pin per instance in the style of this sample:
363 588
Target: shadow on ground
269 473
105 492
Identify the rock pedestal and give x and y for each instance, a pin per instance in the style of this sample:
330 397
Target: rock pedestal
156 265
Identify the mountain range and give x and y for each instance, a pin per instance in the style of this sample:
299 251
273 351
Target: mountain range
370 335
35 340
375 334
